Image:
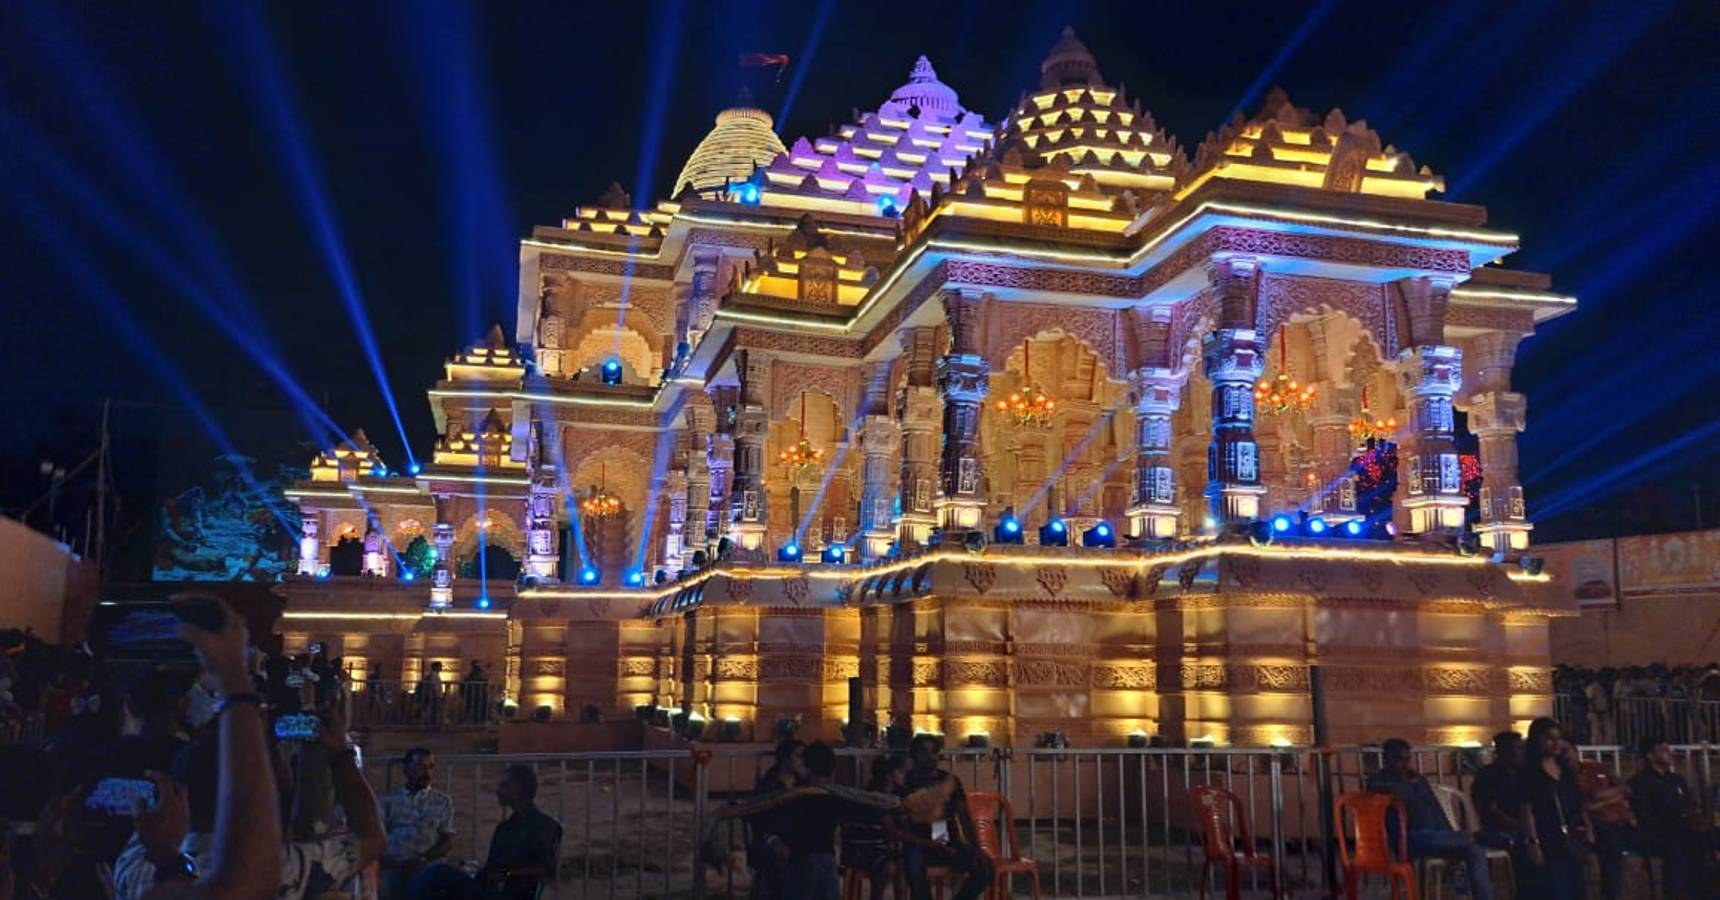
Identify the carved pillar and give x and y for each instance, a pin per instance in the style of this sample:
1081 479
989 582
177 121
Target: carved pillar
442 576
704 295
1153 511
1332 493
917 412
696 535
879 438
1496 415
724 401
752 416
310 545
541 533
676 537
963 376
1232 355
1429 374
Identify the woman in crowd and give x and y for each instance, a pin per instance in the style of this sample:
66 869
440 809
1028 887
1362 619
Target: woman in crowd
1556 824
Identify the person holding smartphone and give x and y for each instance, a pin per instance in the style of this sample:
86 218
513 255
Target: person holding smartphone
944 829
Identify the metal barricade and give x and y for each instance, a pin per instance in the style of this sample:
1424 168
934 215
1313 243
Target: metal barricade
1099 822
380 703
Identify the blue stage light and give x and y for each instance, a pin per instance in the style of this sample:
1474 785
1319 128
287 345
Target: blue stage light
1054 534
790 553
1281 523
589 575
635 578
415 468
407 575
1099 535
1353 528
612 372
749 193
1008 530
835 554
483 603
886 205
1317 526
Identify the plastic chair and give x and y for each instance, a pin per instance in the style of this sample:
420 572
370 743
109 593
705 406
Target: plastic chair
1217 809
1371 853
988 809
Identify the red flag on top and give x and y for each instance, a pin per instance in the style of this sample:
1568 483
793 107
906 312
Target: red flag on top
760 60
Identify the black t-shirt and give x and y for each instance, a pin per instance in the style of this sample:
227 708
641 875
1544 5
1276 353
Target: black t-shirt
1661 801
526 839
808 824
1496 785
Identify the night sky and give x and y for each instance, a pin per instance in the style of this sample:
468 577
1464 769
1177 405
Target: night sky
160 160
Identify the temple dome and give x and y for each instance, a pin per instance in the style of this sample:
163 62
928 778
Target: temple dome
1069 62
924 92
744 138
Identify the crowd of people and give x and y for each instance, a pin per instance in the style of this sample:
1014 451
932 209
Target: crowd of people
229 773
1550 811
1596 699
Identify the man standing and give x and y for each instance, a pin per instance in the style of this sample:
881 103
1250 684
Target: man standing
1430 832
943 827
429 695
419 821
474 693
1670 818
1495 793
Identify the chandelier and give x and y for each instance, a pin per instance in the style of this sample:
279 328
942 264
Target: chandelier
599 503
1028 407
1366 429
1282 393
802 455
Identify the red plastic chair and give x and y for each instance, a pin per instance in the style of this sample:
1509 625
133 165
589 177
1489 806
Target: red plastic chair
1371 854
988 810
1217 809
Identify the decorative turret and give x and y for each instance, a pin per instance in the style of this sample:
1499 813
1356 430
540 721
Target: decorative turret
1288 144
805 267
743 139
1077 118
348 461
873 165
491 359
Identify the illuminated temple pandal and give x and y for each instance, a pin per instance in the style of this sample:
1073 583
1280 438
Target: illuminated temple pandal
879 280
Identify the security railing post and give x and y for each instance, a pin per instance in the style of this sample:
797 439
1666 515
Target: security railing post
1277 795
701 792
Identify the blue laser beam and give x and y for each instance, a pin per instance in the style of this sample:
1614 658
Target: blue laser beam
1285 51
803 64
256 59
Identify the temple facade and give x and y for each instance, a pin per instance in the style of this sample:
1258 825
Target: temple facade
1035 424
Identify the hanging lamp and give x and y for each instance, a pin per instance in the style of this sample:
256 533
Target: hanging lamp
1365 427
600 504
802 455
1282 393
1028 407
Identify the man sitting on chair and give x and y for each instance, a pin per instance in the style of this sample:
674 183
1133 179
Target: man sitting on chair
522 851
1430 832
942 827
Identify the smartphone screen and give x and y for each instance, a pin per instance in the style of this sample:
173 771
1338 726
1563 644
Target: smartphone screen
941 831
298 727
117 796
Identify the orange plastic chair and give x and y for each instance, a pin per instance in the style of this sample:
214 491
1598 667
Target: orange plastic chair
1371 854
1217 809
988 809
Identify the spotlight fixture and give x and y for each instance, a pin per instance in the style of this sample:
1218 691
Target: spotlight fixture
1282 523
789 553
835 554
749 194
1532 565
415 468
1469 544
612 372
484 602
407 575
1317 527
589 575
1054 534
1354 528
1261 533
635 578
1008 530
887 206
1100 535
